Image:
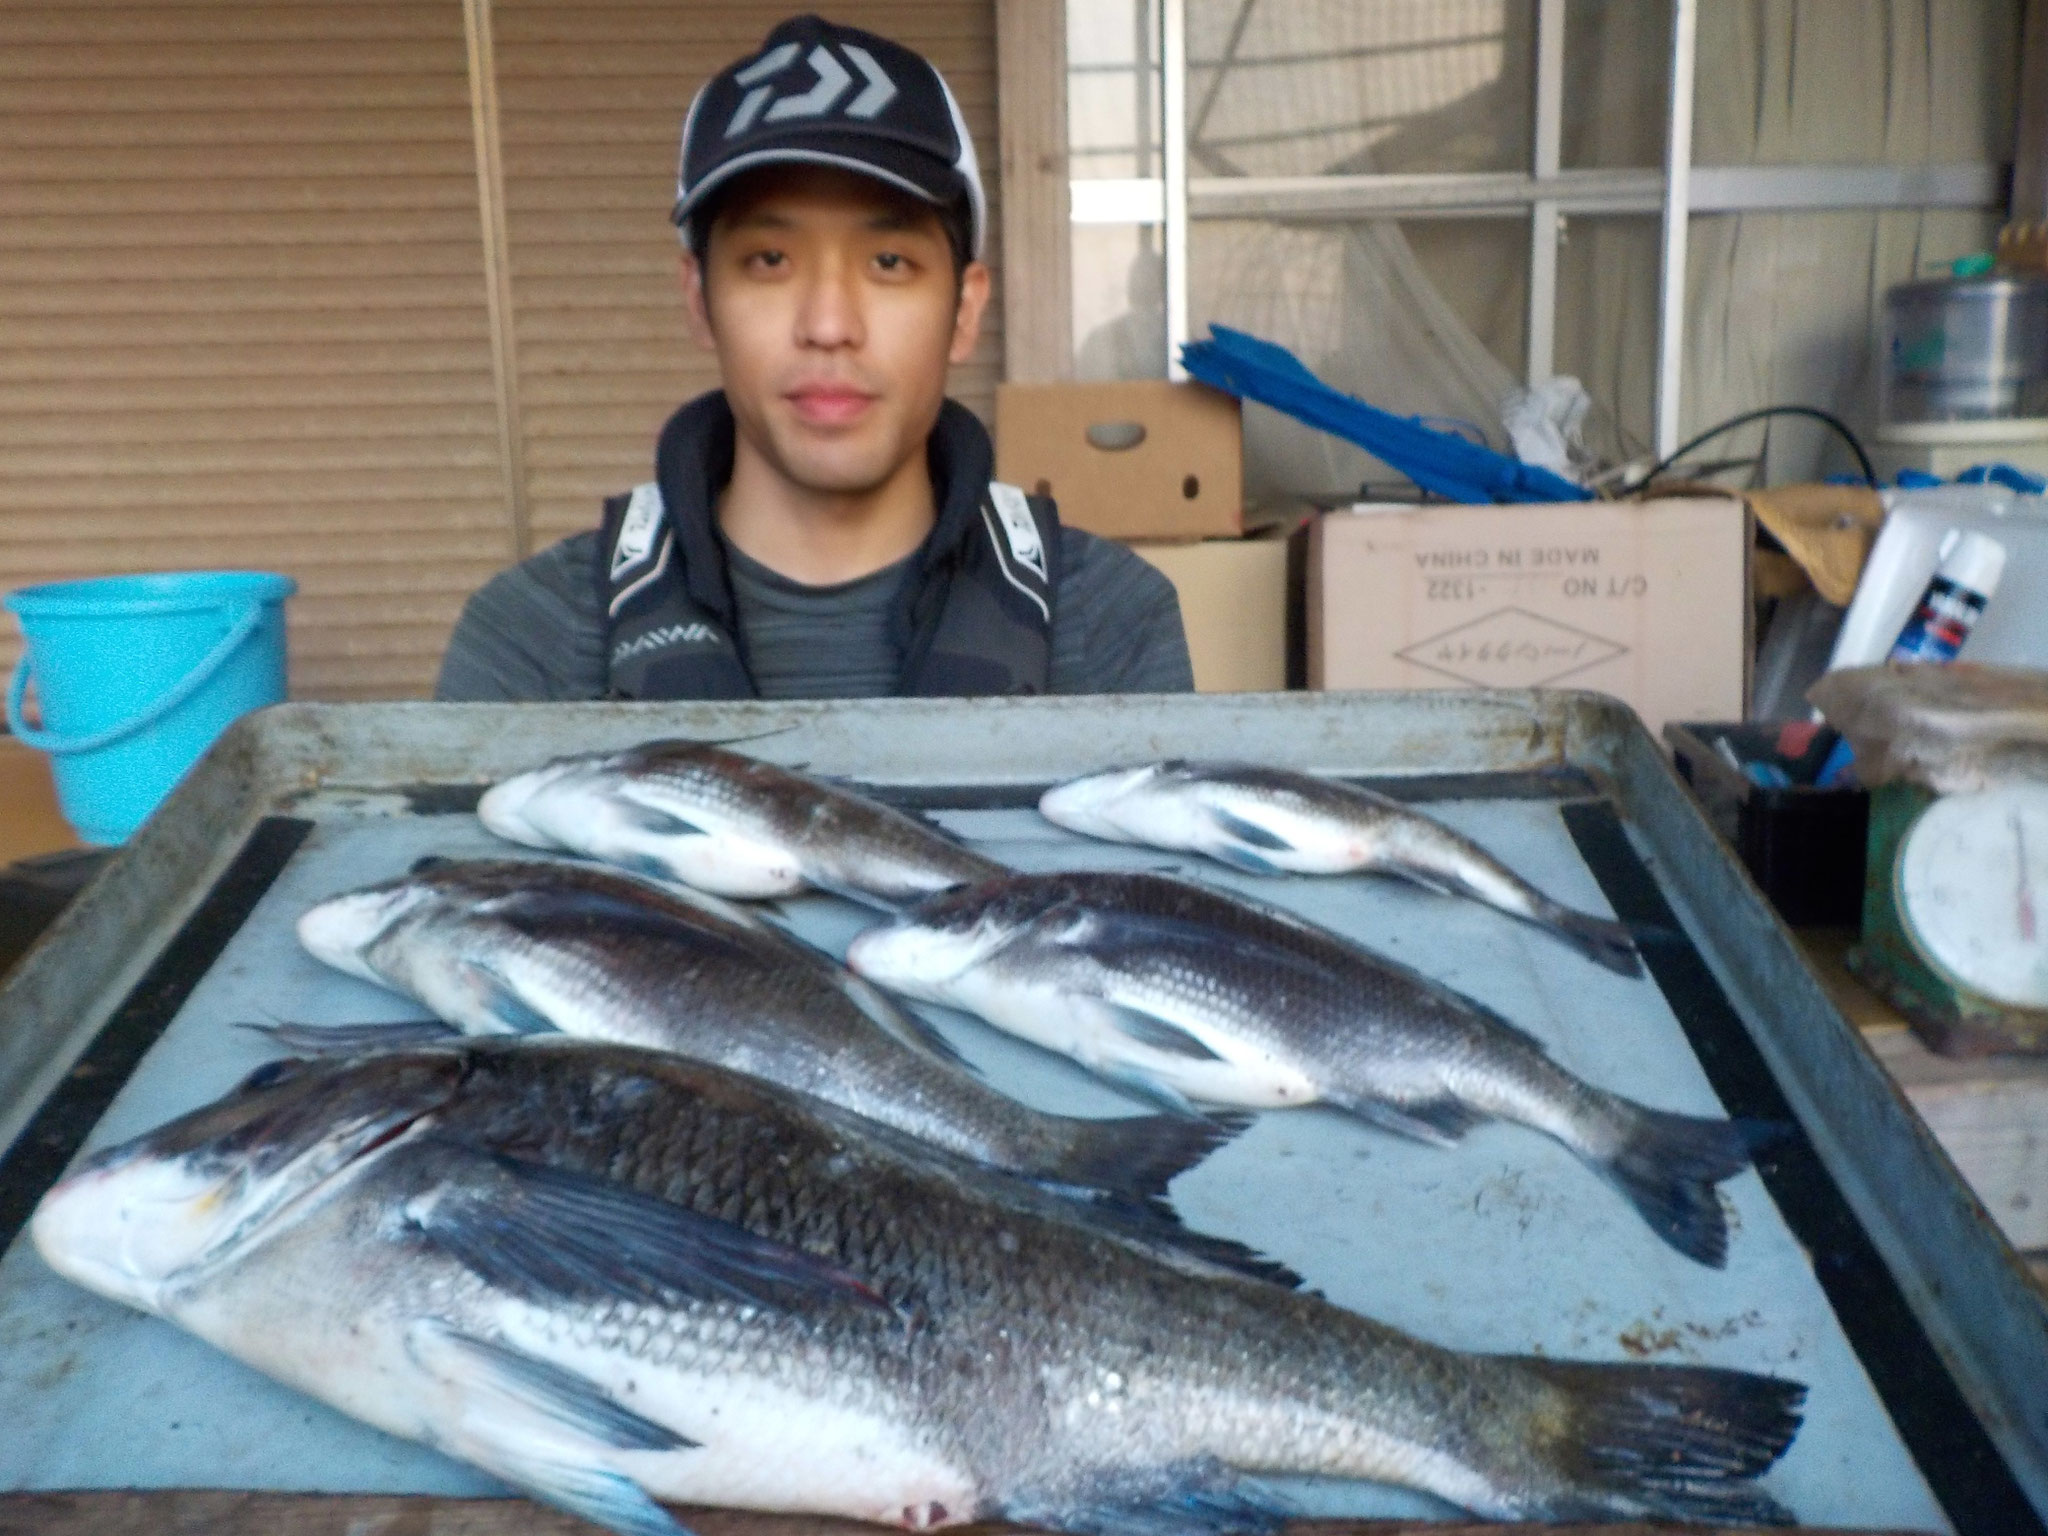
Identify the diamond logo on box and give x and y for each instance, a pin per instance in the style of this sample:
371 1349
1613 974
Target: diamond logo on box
1511 648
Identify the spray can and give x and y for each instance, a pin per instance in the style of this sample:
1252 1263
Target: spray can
1966 573
1965 576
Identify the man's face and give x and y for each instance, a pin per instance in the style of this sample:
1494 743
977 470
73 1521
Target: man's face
832 304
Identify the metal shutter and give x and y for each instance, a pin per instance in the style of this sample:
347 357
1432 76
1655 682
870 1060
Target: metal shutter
242 315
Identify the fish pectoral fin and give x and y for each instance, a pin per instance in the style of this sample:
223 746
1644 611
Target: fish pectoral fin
544 1429
1157 1034
1200 1496
652 819
551 1233
1435 1122
1247 831
504 1004
353 1039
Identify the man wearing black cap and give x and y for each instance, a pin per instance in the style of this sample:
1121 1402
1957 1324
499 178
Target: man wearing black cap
826 525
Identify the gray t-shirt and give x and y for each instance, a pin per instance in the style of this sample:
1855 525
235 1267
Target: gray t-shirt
817 642
537 631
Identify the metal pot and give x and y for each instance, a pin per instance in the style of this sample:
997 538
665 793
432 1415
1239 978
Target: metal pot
1966 349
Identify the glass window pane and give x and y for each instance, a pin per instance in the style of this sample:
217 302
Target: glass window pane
1617 83
1119 302
1311 87
1607 327
1113 88
1113 126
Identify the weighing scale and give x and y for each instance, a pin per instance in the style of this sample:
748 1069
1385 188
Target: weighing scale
1955 914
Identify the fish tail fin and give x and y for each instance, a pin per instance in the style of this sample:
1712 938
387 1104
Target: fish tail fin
1661 1442
1669 1166
1608 944
1135 1157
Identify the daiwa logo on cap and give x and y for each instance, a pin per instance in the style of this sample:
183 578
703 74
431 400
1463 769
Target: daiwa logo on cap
833 80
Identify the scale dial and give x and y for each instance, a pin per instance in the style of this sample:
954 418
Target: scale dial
1971 884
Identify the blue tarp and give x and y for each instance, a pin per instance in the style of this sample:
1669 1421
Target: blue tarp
1442 463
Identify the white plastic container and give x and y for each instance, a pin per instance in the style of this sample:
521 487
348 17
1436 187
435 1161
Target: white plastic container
2013 630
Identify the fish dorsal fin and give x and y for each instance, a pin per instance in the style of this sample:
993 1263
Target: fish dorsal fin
1497 1020
540 912
545 1429
553 1234
846 890
353 1039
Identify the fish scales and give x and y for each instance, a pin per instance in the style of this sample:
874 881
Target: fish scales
491 945
1025 1366
1200 997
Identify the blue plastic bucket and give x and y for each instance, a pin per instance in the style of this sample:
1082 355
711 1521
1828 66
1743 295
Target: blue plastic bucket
136 676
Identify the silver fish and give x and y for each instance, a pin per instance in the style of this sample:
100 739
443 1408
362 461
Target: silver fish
612 1277
516 946
728 824
1170 987
1269 821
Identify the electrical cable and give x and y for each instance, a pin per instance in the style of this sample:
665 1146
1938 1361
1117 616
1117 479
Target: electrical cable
1825 418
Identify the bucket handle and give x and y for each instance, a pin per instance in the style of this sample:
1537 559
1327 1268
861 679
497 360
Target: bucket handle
57 745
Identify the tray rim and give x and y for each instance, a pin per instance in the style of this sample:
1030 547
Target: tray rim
1960 1277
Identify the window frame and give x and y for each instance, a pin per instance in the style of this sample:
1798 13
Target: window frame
1546 194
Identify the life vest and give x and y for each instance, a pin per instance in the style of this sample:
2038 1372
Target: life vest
974 616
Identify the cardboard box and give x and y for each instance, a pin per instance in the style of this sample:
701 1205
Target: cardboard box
1142 459
1648 601
30 822
1233 604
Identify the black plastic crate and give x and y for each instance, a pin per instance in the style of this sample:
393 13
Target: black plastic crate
1803 845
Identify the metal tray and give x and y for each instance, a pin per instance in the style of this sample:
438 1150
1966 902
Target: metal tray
1860 1264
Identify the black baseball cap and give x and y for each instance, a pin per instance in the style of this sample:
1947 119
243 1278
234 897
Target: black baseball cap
820 94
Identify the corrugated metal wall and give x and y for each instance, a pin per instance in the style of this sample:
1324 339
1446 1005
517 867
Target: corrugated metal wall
243 311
